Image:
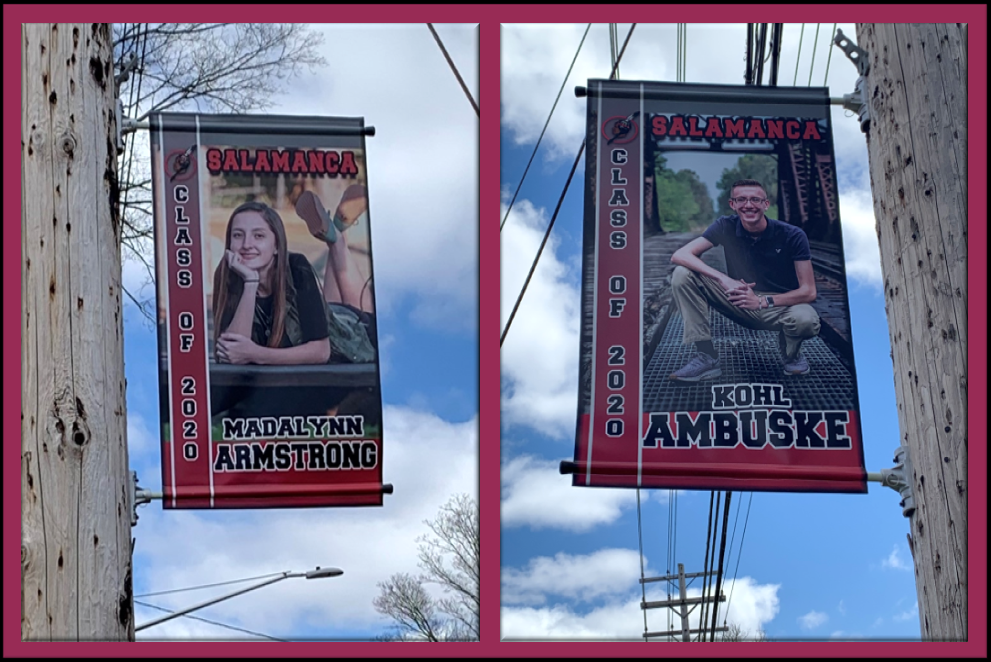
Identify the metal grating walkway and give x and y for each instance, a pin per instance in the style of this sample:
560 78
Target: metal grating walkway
745 356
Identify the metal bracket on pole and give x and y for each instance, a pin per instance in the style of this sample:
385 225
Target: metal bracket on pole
123 76
130 126
139 497
856 101
899 479
119 115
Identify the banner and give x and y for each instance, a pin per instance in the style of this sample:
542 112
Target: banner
269 377
716 346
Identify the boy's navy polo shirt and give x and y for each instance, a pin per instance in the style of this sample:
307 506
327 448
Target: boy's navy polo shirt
767 259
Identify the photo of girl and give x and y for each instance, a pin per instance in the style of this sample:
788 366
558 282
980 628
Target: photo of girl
268 308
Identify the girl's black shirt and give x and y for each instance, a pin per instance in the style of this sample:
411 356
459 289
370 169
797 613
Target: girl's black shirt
309 303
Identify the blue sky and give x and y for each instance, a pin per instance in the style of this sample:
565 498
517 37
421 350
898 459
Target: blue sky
812 566
423 173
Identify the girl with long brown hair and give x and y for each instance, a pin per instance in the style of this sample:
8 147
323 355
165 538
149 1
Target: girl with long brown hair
267 305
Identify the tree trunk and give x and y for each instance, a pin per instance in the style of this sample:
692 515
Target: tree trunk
75 519
918 149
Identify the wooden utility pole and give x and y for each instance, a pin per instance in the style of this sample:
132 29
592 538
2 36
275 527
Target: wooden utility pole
917 145
75 515
682 603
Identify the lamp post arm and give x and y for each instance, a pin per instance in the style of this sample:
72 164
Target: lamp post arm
183 612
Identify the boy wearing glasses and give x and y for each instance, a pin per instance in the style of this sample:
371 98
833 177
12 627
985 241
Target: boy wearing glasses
770 287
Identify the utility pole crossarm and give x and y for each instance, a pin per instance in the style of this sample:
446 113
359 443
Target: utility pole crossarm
672 633
688 575
680 601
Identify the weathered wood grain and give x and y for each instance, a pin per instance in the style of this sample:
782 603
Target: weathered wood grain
917 150
76 534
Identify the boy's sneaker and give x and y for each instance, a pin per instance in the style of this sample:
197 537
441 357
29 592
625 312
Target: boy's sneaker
796 366
701 366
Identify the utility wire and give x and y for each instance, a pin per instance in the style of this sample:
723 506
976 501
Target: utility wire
739 554
799 60
556 99
547 233
674 528
732 537
643 585
719 572
830 56
670 553
761 59
207 620
453 68
705 563
815 42
751 52
196 588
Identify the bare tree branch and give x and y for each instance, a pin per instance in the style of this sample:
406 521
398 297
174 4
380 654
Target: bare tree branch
450 558
403 598
209 67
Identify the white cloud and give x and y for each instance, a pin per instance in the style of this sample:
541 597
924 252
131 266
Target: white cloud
427 460
535 494
812 620
860 246
840 608
540 354
912 613
580 578
895 561
836 635
753 606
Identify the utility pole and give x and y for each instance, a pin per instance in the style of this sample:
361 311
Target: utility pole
75 503
917 146
682 603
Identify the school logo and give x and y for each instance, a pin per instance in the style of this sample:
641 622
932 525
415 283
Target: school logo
181 166
620 130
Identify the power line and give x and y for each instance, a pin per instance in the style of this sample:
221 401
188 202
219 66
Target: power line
453 68
567 183
705 564
777 30
739 555
719 571
830 56
762 39
206 620
556 99
799 59
643 584
815 43
732 537
196 588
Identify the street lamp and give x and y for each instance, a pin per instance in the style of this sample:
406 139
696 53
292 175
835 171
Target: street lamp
317 573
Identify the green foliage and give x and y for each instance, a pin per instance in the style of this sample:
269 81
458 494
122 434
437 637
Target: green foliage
761 167
683 202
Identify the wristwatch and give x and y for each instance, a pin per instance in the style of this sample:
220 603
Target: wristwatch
770 301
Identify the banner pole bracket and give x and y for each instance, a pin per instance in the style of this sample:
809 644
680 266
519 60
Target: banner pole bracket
899 478
139 497
857 100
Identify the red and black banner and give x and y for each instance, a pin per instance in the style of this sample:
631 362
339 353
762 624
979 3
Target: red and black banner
269 376
716 344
